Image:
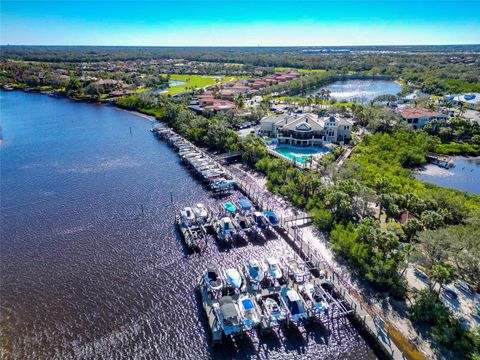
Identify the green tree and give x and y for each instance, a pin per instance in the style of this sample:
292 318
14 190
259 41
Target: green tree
441 274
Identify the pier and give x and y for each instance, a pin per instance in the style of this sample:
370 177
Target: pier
443 161
349 302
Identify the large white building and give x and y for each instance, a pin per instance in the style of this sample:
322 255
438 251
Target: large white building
306 129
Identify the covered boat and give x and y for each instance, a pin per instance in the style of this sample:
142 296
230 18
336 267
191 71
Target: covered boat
272 218
245 204
229 207
229 319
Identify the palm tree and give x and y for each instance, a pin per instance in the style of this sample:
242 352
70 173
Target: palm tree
441 274
408 250
461 108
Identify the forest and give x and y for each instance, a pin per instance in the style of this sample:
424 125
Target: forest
435 69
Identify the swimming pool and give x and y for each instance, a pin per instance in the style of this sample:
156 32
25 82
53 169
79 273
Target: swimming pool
300 154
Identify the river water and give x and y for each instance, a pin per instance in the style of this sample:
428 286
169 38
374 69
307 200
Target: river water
465 175
84 274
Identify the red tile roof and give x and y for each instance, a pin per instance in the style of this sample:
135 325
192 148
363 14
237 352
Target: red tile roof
415 113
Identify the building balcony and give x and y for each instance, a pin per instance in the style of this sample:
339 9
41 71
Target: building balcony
296 136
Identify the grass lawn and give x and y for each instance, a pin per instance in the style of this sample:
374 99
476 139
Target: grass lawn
198 81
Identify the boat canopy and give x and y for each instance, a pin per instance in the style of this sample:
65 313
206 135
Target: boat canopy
272 217
229 311
229 206
245 204
247 304
292 295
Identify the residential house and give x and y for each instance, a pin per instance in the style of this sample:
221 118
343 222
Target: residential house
418 117
306 129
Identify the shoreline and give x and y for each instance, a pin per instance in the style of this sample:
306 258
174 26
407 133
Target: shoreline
151 118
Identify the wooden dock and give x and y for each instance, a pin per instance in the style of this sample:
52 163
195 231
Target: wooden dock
390 340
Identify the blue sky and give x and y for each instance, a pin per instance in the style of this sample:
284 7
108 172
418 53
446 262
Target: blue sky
239 23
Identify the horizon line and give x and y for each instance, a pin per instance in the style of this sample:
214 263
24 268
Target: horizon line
244 46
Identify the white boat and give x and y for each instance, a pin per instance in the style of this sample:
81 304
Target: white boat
273 311
255 272
248 310
223 184
244 223
187 216
212 278
224 228
294 270
295 305
233 278
260 221
273 269
313 294
201 214
228 316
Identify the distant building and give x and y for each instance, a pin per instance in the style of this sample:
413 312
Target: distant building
418 117
306 129
208 102
413 96
471 100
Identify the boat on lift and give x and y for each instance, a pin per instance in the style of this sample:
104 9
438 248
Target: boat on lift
249 312
260 221
244 223
255 273
294 270
202 215
274 271
228 316
222 184
295 305
314 295
244 204
225 228
273 312
212 278
187 216
271 218
234 279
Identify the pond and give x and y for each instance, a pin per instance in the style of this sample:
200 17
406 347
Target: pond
361 91
171 83
465 175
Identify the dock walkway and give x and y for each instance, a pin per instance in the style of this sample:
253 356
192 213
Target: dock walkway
389 338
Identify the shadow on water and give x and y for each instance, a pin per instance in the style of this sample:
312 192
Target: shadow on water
240 347
316 331
294 339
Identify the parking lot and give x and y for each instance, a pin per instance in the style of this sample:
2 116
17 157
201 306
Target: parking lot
464 307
